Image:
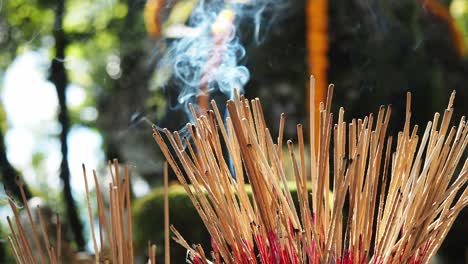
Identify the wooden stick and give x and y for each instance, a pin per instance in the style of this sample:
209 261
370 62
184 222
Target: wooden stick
411 208
129 216
23 239
59 240
90 215
15 250
17 243
45 235
167 256
19 182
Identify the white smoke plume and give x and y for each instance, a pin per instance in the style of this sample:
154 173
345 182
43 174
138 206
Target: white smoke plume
208 59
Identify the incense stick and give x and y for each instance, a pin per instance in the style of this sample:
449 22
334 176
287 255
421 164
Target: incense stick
115 232
167 256
369 202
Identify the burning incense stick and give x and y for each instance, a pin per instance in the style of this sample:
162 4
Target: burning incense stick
369 203
221 30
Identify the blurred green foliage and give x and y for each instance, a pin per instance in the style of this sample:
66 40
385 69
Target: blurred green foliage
459 11
22 26
101 38
96 33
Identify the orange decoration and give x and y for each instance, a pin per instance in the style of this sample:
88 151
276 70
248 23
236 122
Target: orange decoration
438 10
317 47
152 17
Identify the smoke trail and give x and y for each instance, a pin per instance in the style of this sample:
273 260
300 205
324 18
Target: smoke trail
208 60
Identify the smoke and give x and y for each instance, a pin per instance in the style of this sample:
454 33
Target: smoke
207 60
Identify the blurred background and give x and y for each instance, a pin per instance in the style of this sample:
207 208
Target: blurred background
82 81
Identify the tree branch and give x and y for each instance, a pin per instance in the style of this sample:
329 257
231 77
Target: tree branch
58 77
9 174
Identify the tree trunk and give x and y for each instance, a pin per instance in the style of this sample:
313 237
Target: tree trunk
9 174
128 95
58 77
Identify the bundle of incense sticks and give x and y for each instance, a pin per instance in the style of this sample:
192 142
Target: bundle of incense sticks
369 203
114 227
